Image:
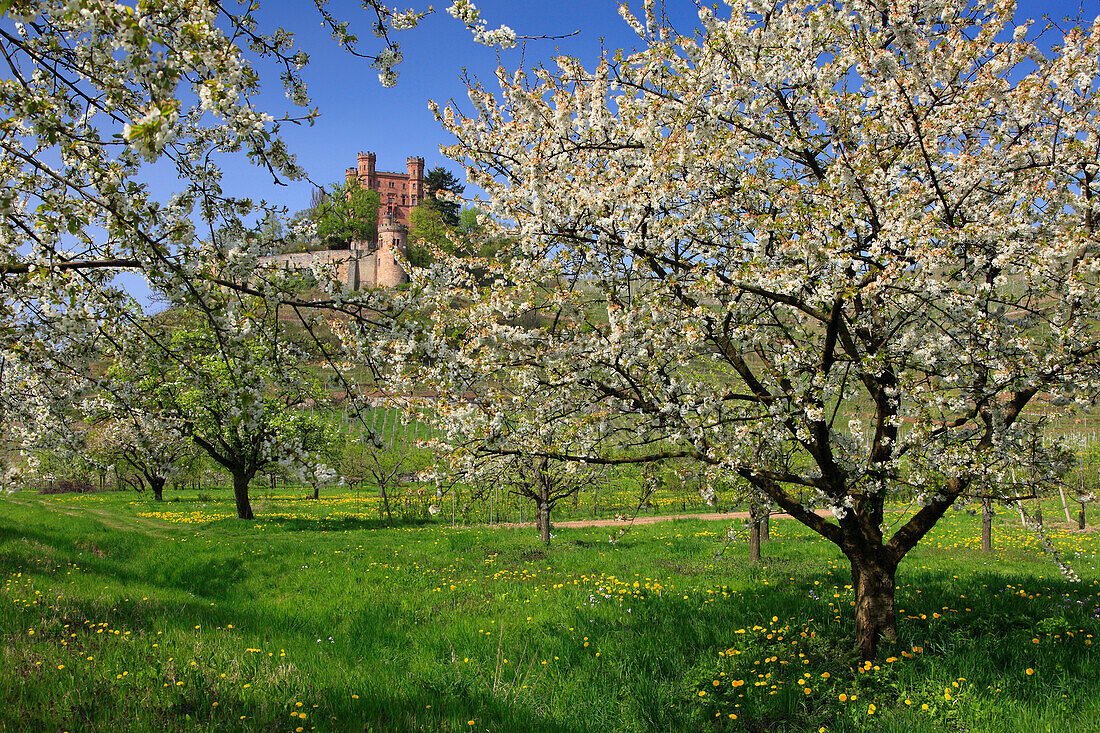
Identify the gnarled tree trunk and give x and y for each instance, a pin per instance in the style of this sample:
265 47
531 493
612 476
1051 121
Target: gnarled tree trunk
385 500
542 519
240 493
873 584
156 483
543 505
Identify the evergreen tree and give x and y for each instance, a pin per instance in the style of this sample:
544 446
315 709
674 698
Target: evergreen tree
440 179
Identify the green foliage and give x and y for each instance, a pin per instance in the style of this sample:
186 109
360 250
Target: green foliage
346 213
464 238
426 229
440 179
240 396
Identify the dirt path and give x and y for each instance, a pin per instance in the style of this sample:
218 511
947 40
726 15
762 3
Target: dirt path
653 519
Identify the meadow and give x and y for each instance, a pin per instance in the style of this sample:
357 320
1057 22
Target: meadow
119 614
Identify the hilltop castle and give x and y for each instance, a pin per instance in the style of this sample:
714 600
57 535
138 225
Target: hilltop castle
372 264
398 192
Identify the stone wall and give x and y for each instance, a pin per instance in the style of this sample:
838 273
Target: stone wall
304 260
358 267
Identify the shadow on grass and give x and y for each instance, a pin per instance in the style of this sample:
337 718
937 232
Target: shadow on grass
193 597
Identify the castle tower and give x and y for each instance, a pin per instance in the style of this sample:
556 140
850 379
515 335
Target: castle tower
392 238
366 165
415 167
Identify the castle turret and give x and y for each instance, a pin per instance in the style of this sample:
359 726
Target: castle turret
392 239
415 167
366 165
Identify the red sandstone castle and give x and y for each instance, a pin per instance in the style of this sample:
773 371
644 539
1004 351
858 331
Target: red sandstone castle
398 192
373 264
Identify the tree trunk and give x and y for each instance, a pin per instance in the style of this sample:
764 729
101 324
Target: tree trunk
240 493
542 488
385 500
873 584
316 491
1081 517
157 485
766 527
754 534
987 525
542 519
1038 512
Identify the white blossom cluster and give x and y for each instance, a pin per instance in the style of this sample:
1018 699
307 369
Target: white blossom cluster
467 12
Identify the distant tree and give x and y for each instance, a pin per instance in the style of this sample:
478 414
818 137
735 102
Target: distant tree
239 395
426 230
146 452
368 459
440 179
346 213
504 439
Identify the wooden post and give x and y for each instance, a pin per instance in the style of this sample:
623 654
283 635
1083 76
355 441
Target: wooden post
1065 506
1081 517
754 533
987 525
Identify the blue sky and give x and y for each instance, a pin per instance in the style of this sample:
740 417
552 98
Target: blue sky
357 113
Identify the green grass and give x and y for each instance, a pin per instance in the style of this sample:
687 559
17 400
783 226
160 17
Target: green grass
142 623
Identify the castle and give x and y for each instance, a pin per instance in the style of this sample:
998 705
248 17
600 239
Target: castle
372 264
398 192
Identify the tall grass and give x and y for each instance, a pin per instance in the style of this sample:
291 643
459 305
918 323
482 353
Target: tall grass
116 619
